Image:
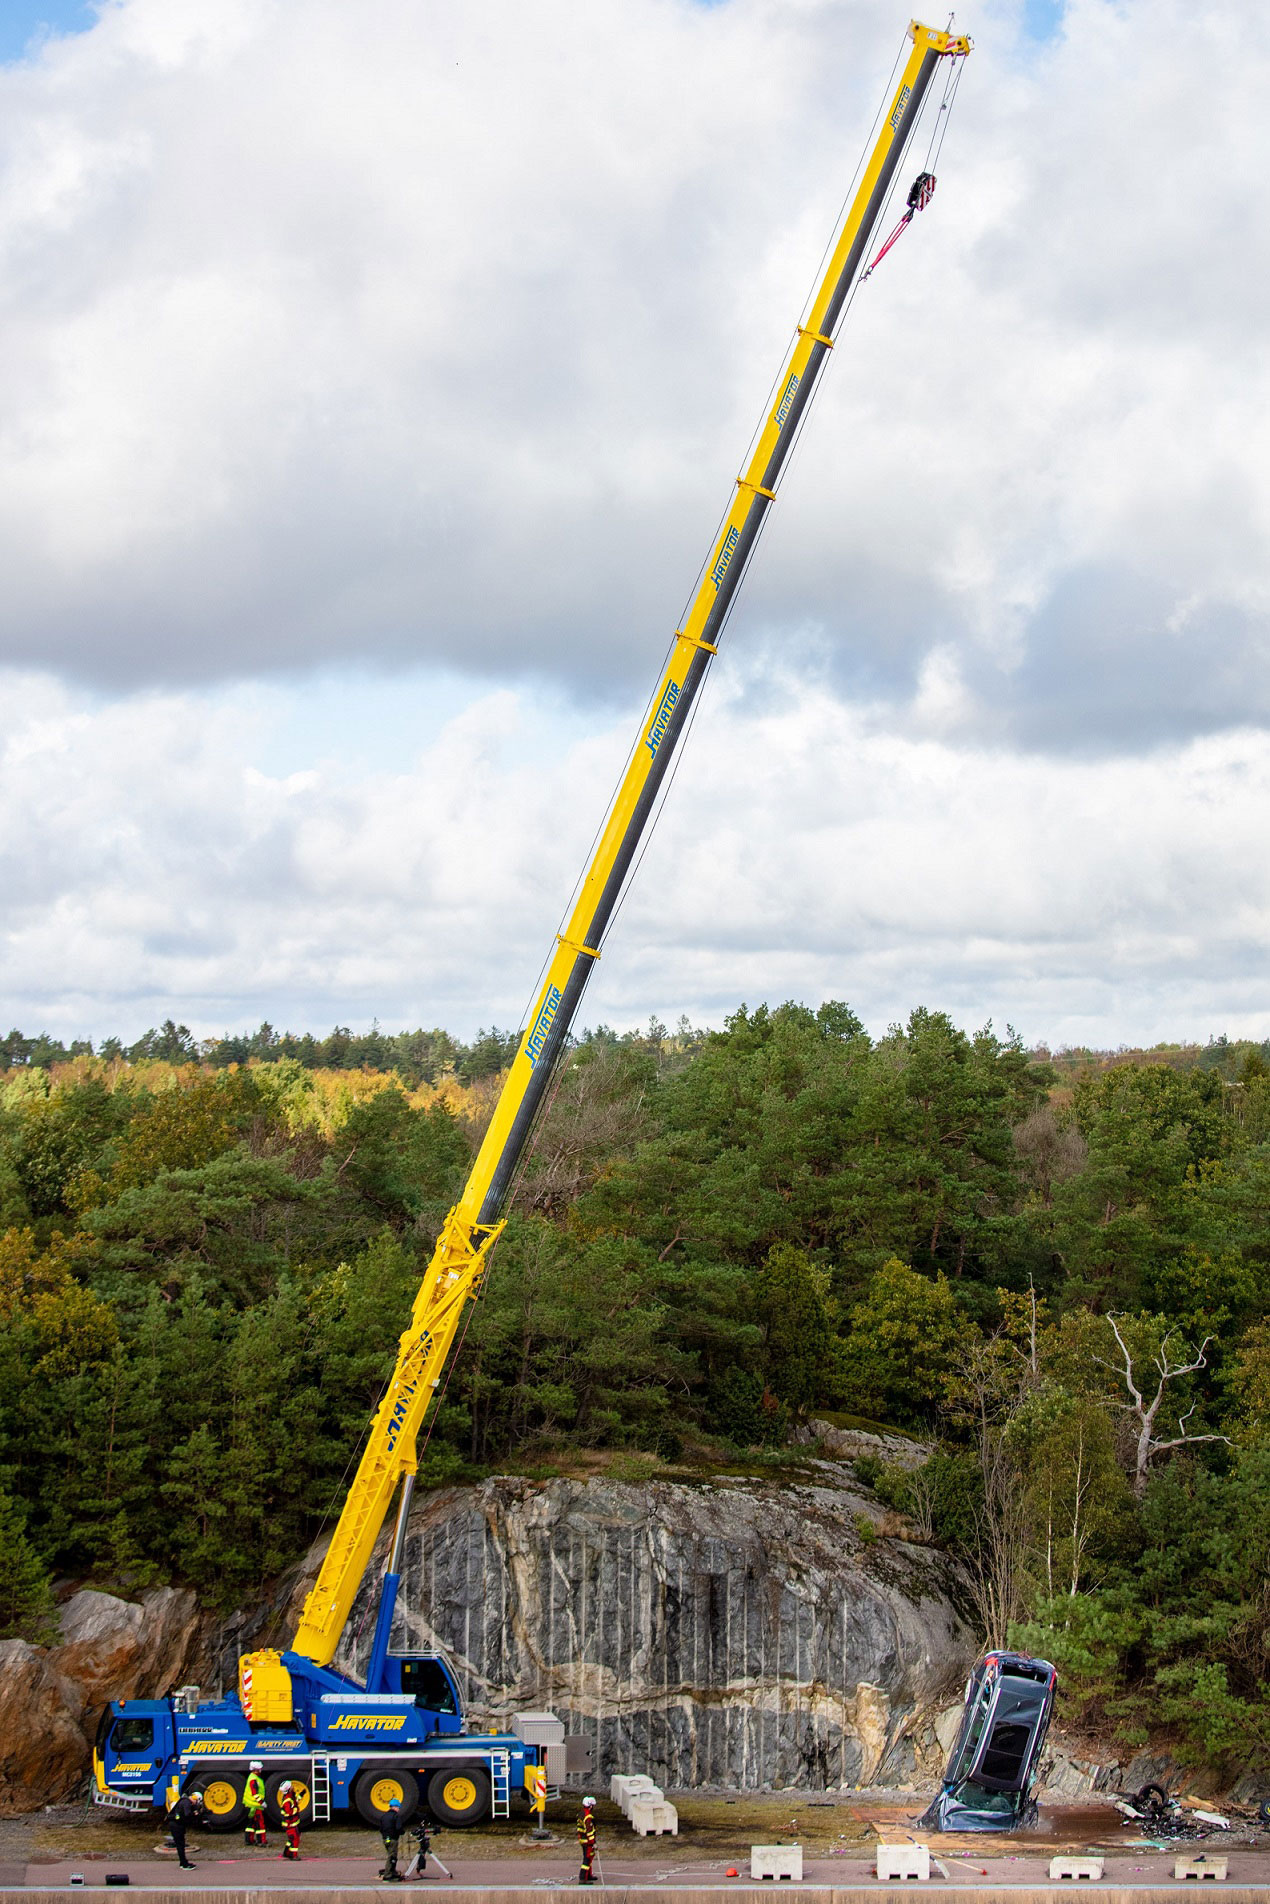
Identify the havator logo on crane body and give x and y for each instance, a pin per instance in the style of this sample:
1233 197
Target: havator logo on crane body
720 568
901 102
791 391
399 1413
371 1722
542 1025
661 719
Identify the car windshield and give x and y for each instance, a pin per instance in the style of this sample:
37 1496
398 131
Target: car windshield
978 1798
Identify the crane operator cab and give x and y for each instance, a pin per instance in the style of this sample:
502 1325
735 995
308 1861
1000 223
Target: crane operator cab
430 1681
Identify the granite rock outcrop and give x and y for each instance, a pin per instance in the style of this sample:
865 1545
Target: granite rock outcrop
51 1698
735 1633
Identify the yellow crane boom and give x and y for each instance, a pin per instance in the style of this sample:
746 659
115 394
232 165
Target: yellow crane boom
454 1275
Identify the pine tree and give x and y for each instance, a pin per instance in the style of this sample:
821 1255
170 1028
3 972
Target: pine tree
27 1611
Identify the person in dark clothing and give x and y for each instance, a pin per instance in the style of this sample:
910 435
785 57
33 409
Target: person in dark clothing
390 1831
187 1811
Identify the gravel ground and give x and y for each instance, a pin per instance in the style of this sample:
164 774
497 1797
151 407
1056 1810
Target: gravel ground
714 1833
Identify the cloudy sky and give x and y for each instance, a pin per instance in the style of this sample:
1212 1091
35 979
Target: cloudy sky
371 381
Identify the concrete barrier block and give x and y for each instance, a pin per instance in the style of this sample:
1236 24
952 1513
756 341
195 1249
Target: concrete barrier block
651 1816
1076 1868
776 1861
1200 1867
625 1786
903 1861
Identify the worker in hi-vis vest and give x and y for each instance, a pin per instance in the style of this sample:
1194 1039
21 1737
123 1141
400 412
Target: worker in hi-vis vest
254 1799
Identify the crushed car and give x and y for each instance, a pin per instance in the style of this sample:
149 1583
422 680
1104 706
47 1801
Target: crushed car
992 1766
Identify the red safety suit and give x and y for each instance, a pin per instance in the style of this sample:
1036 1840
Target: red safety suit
289 1806
586 1839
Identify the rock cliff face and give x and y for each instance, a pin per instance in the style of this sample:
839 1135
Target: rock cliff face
50 1700
737 1633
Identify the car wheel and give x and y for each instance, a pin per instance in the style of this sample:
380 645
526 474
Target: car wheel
459 1795
375 1790
223 1806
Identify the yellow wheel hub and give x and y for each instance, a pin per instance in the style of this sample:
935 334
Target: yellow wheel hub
383 1791
459 1793
301 1793
220 1797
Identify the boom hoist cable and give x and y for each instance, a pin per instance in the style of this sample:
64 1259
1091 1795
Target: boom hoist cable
455 1274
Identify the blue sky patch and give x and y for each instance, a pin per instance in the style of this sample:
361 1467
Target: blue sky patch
24 21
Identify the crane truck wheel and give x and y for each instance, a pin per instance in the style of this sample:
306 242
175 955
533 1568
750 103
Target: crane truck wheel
300 1792
375 1790
459 1795
223 1807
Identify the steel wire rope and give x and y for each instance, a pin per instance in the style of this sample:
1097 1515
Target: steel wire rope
782 370
787 465
809 299
952 80
694 589
790 458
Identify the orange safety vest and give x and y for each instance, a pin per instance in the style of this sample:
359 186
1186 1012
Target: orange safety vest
586 1830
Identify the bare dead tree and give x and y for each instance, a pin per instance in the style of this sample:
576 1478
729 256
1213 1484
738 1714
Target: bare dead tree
992 1379
1144 1413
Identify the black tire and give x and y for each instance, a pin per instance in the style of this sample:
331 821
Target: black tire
1155 1796
1263 1812
375 1788
459 1794
223 1808
300 1786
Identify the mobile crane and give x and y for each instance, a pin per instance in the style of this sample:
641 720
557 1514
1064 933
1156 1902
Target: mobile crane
400 1735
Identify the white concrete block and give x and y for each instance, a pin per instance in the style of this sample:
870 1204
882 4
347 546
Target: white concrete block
903 1861
776 1861
627 1785
1201 1867
651 1816
1076 1868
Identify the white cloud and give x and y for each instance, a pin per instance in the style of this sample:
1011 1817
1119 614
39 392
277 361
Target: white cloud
428 340
414 333
152 867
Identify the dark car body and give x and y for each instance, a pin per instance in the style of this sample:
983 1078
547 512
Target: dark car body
988 1782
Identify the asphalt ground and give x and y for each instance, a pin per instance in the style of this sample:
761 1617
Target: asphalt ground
41 1851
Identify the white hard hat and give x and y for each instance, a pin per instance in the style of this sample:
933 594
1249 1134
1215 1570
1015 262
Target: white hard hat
588 1801
256 1766
286 1786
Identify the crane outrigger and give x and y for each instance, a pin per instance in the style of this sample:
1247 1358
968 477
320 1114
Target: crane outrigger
401 1729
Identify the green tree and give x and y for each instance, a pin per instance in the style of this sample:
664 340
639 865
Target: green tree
793 1307
27 1611
896 1362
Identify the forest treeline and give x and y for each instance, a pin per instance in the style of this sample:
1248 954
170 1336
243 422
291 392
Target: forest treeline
416 1057
1054 1272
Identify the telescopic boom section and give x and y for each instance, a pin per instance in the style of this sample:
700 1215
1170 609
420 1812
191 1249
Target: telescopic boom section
457 1267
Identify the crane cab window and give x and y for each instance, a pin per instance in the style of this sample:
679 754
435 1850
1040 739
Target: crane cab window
132 1735
428 1681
